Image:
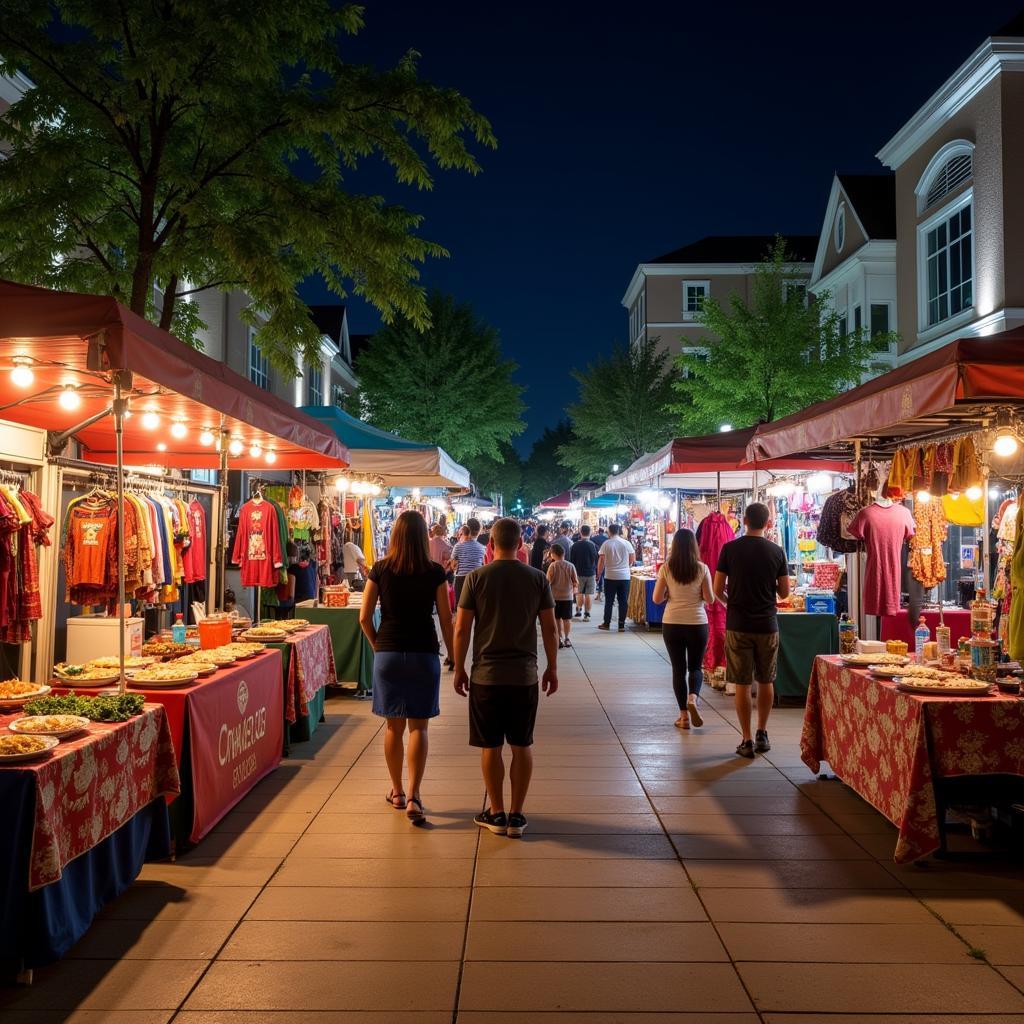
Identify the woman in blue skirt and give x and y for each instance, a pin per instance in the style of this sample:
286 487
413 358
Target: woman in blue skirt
407 664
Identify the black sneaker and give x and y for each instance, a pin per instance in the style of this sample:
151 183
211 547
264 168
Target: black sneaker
746 749
586 616
496 823
622 629
761 744
516 826
578 613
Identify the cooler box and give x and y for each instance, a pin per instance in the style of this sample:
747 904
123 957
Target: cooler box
95 636
821 604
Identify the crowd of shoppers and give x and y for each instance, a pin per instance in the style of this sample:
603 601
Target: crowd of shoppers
506 583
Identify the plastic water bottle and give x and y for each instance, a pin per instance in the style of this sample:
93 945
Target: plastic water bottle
178 632
921 636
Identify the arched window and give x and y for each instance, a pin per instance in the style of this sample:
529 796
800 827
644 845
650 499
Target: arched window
839 234
947 170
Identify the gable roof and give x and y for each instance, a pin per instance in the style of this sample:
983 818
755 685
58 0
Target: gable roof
873 196
329 319
739 249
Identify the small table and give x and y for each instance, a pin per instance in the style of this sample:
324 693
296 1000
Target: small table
802 637
78 826
893 748
308 668
640 604
353 655
899 626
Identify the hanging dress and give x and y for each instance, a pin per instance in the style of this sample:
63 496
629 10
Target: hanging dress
714 533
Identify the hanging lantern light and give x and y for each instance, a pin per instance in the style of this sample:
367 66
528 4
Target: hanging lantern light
178 429
206 438
151 419
69 398
235 447
270 457
255 451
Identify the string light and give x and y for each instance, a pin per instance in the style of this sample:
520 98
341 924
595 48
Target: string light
270 457
1005 445
206 438
22 375
69 397
161 447
235 447
178 429
341 484
924 497
151 419
255 451
973 493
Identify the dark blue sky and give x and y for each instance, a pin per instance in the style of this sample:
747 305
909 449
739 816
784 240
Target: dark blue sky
627 131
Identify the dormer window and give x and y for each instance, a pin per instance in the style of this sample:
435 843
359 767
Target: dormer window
839 232
950 168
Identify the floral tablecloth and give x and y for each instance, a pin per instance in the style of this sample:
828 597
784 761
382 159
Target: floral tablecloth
891 746
310 669
90 786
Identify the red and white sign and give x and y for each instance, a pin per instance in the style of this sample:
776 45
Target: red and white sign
236 733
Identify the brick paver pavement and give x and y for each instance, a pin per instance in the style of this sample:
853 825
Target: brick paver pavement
661 880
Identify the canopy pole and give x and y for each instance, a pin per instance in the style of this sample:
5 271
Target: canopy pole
679 509
222 532
718 474
985 542
853 566
118 410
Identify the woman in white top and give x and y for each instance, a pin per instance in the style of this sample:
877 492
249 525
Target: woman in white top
684 587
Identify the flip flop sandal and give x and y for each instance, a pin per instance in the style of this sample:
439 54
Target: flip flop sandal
397 800
415 814
682 723
695 715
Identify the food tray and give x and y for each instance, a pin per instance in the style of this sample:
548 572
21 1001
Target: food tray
1008 685
49 742
90 683
277 634
865 660
937 690
72 730
17 702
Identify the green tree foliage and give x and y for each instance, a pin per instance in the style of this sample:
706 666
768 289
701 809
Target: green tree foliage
446 384
543 474
772 356
212 145
498 477
622 411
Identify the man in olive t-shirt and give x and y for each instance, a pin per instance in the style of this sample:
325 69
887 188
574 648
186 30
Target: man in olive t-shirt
504 600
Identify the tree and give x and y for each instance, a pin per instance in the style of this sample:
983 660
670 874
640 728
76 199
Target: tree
543 474
498 477
777 354
622 411
191 146
446 384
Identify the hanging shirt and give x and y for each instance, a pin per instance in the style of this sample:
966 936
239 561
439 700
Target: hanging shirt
883 530
258 544
195 553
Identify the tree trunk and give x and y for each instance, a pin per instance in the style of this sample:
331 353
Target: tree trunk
170 299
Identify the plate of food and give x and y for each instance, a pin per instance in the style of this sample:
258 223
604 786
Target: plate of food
25 748
952 686
84 676
203 668
867 660
219 656
14 692
112 661
293 625
265 633
58 726
919 672
158 676
166 649
242 651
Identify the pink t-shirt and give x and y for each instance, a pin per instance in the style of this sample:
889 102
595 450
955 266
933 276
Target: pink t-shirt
883 531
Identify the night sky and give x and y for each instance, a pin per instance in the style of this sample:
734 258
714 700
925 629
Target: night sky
620 139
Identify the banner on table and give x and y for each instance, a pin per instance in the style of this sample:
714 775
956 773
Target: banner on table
236 734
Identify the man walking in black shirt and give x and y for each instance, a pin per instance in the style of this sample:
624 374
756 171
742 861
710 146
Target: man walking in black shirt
583 555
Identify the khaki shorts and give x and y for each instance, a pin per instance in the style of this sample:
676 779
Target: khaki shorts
588 585
751 657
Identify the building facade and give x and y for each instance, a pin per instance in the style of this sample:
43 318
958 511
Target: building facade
665 294
960 201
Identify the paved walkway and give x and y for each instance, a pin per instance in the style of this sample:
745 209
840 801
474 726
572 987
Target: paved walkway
662 880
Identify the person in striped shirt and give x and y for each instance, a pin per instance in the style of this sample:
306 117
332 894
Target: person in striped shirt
467 555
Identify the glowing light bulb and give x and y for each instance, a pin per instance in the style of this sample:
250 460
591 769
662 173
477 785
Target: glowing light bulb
22 376
161 447
255 451
206 438
150 419
69 398
235 447
973 493
924 497
270 457
1005 445
341 484
725 428
993 493
178 430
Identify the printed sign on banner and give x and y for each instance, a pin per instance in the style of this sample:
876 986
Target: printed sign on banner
236 735
968 553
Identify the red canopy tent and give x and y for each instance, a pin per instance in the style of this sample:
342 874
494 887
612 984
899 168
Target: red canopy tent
82 341
958 386
558 501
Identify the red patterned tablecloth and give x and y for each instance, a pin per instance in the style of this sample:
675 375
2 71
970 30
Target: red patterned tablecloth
877 740
90 786
310 669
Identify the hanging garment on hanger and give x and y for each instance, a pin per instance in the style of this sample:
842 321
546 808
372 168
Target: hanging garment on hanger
963 511
926 563
258 549
840 506
883 531
715 534
195 553
1015 628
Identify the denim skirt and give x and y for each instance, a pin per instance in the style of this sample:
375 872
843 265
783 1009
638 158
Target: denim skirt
406 685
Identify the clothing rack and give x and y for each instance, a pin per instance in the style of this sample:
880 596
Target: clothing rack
12 478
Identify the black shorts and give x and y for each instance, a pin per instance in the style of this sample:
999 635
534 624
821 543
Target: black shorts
502 713
563 609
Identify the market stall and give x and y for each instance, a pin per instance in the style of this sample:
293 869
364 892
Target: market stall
79 822
308 669
898 750
353 655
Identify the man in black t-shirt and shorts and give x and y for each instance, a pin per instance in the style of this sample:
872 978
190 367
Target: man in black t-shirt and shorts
752 572
505 599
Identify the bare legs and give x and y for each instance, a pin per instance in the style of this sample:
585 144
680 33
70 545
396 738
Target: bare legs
744 707
493 766
394 752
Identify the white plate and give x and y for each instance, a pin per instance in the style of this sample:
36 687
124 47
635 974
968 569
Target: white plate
17 702
185 679
89 684
944 691
50 742
83 723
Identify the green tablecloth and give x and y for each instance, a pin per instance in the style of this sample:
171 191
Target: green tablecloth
802 636
353 655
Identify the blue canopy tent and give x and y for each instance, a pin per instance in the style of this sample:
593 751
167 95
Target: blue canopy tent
400 463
